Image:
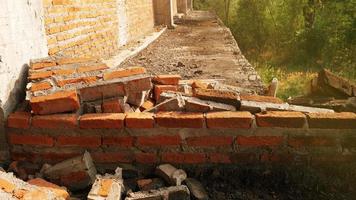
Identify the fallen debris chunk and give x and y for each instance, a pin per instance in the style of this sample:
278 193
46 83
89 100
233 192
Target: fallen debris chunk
59 191
167 79
256 107
75 173
150 184
173 104
171 174
196 189
333 84
147 105
169 193
108 187
221 96
158 89
113 105
12 188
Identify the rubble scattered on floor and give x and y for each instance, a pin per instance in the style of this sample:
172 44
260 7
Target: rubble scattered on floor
84 85
77 178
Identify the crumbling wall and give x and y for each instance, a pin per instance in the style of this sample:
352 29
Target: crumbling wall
22 37
187 138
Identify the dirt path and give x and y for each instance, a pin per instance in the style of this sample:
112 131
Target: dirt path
200 47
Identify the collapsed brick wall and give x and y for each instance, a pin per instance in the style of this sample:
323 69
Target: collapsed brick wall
82 28
186 138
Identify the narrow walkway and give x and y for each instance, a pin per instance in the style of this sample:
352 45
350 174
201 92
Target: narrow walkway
200 47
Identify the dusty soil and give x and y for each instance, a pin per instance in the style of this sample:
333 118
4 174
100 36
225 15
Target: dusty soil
199 47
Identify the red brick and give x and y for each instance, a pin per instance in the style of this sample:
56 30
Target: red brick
83 69
167 79
138 85
159 89
63 72
84 80
40 86
19 120
99 121
344 120
199 84
180 120
122 141
158 140
229 120
311 141
281 119
219 158
113 157
55 103
209 141
65 121
75 178
146 158
65 61
256 141
102 92
30 139
258 98
112 106
40 75
124 73
222 96
82 141
184 158
244 158
42 64
139 120
276 157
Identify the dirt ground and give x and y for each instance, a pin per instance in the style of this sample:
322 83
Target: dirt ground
200 47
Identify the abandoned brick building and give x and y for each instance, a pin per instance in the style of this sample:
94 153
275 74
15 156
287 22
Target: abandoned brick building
146 82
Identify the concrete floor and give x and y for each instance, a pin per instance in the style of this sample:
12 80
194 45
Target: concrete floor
200 47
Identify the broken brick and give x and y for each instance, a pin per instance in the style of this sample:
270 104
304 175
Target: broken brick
55 103
124 73
167 79
221 96
105 120
158 89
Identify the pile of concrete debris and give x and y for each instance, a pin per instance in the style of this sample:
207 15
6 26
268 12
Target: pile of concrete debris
79 174
83 85
330 91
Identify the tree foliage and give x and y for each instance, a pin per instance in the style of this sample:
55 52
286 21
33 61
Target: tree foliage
305 34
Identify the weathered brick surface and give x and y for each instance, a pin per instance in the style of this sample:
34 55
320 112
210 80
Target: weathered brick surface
102 121
139 120
281 119
167 79
19 120
332 120
55 103
158 89
256 141
258 98
210 141
222 96
159 140
57 121
81 141
146 158
311 141
102 92
219 158
38 140
113 157
124 73
185 158
229 120
120 141
180 120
